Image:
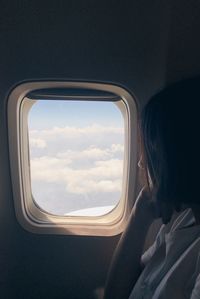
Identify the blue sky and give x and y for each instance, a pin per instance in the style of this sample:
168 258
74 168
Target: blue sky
45 113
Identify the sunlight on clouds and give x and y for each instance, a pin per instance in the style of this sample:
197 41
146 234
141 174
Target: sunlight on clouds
48 169
92 186
92 153
104 176
89 153
84 164
37 143
117 148
75 132
94 169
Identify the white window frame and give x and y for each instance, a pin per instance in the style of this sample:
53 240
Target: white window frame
29 215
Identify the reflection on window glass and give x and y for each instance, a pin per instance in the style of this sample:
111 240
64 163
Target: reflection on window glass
76 156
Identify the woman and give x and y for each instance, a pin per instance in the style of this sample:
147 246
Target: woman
170 267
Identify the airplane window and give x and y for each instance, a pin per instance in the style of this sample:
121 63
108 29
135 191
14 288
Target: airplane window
76 151
73 157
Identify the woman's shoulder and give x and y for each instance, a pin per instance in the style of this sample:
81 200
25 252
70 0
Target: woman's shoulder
183 219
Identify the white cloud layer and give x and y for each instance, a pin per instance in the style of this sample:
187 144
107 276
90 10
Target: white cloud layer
76 132
103 176
37 143
87 160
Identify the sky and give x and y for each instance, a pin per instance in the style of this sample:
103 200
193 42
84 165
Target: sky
76 156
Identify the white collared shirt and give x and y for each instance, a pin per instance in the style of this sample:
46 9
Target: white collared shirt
172 263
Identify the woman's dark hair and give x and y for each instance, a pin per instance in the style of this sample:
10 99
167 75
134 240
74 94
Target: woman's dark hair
170 129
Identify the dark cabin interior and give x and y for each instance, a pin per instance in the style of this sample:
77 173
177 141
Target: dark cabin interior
139 45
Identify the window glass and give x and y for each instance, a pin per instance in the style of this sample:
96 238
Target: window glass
76 153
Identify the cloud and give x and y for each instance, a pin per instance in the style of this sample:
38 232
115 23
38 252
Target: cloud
103 176
37 143
117 148
94 139
48 169
92 153
84 164
69 132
